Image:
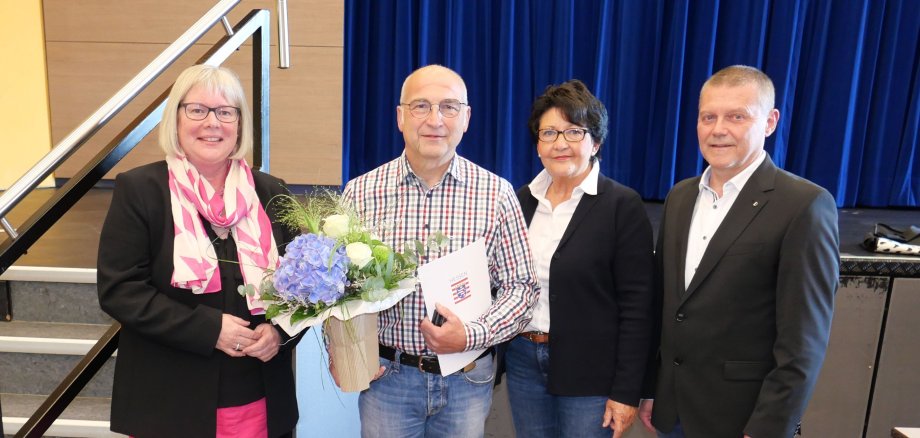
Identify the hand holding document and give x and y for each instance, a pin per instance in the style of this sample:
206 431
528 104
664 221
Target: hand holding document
458 281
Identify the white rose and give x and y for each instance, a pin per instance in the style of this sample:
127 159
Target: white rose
336 225
359 254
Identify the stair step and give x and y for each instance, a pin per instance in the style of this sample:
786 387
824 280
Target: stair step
37 362
49 274
85 417
56 302
56 321
49 337
54 295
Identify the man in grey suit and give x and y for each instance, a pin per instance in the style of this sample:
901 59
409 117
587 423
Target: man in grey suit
748 267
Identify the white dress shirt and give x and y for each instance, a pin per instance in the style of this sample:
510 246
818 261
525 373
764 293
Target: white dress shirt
709 212
546 230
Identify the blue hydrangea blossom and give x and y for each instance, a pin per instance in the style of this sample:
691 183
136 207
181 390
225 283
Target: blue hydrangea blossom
312 271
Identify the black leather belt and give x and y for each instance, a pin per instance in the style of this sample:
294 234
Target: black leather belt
428 364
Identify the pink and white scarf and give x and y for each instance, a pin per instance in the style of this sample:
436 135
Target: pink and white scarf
239 210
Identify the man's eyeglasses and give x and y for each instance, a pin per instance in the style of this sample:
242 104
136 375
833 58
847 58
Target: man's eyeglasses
421 108
571 134
197 111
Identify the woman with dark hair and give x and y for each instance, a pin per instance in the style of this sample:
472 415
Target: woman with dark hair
196 358
577 369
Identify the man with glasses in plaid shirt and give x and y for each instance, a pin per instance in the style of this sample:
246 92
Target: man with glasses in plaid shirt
430 189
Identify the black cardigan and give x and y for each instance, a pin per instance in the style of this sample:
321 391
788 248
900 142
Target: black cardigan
600 295
167 369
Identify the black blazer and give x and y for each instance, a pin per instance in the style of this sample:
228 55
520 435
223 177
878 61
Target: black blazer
600 295
166 371
742 346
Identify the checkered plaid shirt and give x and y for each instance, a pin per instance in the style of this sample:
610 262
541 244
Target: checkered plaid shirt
469 203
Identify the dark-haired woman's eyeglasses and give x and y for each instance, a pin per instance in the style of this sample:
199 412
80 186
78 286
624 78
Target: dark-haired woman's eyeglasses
571 134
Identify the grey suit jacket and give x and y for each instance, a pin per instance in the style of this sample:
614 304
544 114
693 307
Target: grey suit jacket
742 345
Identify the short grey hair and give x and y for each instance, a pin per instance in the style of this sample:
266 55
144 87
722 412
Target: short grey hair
217 80
740 75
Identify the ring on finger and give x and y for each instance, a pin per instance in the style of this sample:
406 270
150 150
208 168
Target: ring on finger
237 348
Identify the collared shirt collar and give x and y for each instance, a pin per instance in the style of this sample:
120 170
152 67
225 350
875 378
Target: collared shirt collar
542 181
738 181
405 174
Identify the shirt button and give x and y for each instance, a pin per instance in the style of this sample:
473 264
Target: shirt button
715 207
426 226
704 237
680 317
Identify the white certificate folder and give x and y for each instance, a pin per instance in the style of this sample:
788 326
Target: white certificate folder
460 282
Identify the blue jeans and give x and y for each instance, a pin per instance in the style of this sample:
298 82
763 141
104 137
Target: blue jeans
407 402
536 412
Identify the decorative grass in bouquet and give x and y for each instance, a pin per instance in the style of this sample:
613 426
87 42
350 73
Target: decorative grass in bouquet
337 272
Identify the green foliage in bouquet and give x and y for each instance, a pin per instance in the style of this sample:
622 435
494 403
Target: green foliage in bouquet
336 259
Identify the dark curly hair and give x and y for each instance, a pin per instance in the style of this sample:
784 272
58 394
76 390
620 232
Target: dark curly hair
577 105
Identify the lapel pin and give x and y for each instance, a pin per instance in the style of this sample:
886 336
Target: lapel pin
755 203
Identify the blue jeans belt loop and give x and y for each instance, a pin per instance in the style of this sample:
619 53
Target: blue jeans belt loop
426 364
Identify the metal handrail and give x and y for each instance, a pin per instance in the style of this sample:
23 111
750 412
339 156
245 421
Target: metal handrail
284 46
66 147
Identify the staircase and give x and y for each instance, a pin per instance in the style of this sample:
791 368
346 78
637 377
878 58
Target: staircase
55 320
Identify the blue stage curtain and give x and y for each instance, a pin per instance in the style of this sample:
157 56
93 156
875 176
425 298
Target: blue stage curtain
847 76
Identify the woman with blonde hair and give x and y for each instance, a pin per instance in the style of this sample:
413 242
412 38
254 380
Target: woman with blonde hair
195 357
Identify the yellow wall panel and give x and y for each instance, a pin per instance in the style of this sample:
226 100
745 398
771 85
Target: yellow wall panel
23 91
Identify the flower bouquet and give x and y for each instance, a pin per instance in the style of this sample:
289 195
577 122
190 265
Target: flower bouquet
337 272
